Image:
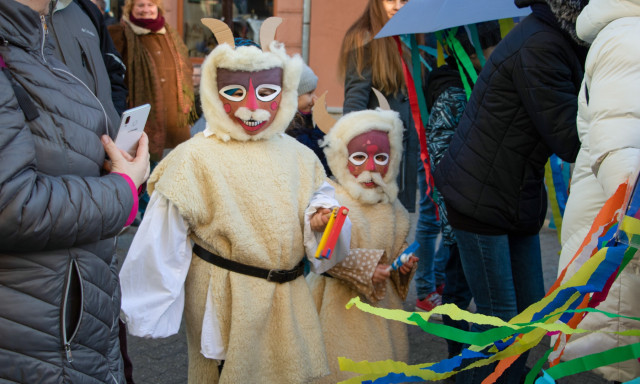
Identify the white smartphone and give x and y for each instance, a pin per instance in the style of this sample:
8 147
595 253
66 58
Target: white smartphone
131 128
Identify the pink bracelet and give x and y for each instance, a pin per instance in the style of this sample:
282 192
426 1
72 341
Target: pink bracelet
134 192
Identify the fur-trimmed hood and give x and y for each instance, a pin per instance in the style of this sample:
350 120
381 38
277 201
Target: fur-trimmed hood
352 125
565 11
248 58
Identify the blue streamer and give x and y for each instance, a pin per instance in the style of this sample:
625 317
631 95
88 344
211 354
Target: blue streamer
560 175
393 377
545 378
455 362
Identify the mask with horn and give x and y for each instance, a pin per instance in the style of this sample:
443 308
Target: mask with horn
363 150
248 93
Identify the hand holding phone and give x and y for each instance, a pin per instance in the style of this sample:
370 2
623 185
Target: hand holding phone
131 128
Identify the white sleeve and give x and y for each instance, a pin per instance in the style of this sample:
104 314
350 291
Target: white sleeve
153 273
324 197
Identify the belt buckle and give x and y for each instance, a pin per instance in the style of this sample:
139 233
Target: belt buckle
277 275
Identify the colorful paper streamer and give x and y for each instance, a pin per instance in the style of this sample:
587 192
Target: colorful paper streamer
554 314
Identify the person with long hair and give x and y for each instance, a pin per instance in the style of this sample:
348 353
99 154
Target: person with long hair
366 62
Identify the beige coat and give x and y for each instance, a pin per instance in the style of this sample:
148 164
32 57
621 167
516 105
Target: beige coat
245 201
377 236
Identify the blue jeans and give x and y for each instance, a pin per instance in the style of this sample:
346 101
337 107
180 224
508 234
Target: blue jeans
431 262
504 273
456 291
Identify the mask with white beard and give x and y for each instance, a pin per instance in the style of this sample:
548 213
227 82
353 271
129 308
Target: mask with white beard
374 180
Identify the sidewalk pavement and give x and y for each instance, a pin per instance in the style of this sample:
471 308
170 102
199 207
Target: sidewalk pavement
164 361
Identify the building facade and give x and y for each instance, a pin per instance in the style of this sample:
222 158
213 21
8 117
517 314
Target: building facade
312 28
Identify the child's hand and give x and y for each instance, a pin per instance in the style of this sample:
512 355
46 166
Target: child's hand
320 219
381 274
408 265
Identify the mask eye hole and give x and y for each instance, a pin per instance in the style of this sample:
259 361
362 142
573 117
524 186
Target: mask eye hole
381 158
233 92
267 92
358 158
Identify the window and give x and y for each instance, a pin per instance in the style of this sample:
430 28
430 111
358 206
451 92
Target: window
248 16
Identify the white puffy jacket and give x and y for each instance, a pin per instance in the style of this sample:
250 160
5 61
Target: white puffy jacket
609 130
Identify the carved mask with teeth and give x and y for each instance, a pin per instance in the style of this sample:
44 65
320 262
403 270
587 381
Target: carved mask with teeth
248 93
251 99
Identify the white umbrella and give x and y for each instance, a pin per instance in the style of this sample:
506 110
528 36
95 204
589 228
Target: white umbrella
424 16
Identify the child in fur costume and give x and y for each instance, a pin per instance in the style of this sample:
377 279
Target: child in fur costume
240 192
363 150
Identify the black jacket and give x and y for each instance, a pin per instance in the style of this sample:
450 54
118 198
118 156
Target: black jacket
522 109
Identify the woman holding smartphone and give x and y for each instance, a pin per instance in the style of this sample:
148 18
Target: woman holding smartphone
61 205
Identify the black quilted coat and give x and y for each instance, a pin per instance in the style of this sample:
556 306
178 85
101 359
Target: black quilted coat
522 109
59 291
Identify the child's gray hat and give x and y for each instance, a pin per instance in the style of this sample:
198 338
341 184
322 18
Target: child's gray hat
308 81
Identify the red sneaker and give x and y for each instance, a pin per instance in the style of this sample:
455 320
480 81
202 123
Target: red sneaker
440 288
428 303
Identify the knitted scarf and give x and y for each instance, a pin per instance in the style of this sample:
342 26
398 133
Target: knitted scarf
144 85
152 24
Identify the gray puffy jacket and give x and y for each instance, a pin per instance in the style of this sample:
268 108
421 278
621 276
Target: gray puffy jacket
59 291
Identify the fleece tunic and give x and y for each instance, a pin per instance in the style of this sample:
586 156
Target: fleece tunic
378 235
270 331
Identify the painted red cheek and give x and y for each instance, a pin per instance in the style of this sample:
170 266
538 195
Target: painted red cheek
351 167
274 105
227 108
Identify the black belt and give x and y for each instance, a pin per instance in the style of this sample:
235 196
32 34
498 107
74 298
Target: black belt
273 275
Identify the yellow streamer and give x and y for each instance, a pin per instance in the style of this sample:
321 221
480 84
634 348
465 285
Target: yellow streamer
630 225
524 343
440 59
506 25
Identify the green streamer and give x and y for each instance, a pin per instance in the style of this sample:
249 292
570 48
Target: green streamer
596 360
475 39
467 337
417 78
463 61
531 376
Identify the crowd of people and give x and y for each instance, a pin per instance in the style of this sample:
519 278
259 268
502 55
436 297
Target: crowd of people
234 183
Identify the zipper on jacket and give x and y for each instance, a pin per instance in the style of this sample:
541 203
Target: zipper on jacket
43 22
104 112
66 339
83 56
44 33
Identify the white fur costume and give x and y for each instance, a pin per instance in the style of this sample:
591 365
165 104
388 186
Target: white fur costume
380 227
243 198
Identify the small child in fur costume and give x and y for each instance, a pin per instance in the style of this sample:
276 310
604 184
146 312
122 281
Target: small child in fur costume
363 150
239 191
